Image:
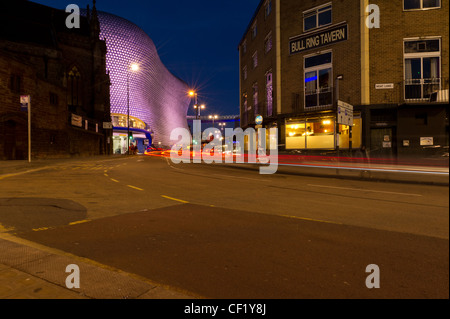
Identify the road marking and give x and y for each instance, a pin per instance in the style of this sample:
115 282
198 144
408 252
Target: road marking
41 229
175 199
248 178
114 180
312 220
79 222
136 188
22 173
106 175
364 190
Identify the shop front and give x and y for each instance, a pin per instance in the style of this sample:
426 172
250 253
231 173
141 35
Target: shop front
320 133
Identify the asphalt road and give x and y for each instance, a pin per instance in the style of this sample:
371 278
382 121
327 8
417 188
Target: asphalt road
220 232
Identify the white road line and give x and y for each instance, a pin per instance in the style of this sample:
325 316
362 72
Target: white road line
364 190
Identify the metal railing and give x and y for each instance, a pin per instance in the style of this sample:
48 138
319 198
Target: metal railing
425 90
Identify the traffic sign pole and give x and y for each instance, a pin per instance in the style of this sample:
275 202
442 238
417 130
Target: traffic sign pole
29 130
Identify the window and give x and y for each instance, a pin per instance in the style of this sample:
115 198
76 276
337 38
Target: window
244 47
268 43
255 59
318 80
74 89
267 8
421 4
15 83
254 30
54 99
317 17
269 93
255 99
244 73
422 68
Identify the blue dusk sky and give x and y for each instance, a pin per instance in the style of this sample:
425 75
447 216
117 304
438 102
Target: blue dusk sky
196 40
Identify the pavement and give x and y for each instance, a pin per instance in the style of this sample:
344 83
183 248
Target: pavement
32 271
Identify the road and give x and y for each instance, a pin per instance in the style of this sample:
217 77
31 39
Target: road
219 232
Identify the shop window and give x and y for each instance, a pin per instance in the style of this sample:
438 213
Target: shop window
317 17
421 4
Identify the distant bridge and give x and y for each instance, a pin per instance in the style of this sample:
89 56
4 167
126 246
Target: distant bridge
206 118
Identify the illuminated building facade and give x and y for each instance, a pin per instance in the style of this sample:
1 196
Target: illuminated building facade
158 101
299 58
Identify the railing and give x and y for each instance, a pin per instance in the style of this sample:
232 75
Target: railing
425 90
317 100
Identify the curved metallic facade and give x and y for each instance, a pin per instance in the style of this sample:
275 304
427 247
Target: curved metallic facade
157 97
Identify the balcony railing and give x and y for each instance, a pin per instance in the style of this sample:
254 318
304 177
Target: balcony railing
425 90
317 100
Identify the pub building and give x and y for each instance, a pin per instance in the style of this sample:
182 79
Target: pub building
342 75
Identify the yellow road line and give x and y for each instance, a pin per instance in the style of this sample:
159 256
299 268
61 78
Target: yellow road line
134 187
175 199
311 220
114 180
79 222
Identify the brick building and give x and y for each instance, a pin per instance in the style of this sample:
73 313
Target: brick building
298 59
64 72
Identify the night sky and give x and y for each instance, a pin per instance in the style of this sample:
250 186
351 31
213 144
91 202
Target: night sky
196 40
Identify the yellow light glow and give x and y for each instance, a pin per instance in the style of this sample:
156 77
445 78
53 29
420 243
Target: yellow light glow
191 93
327 122
291 134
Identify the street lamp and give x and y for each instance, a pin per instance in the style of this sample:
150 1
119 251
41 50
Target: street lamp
222 125
196 105
132 68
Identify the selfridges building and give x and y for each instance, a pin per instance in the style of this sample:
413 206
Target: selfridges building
156 99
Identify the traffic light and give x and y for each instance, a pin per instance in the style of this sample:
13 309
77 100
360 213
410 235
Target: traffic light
130 136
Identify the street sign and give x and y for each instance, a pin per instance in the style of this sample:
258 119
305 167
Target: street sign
24 102
259 120
345 113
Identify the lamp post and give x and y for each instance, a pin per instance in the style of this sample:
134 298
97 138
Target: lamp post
196 105
132 68
213 117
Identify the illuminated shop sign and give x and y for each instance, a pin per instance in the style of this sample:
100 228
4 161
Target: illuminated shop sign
318 39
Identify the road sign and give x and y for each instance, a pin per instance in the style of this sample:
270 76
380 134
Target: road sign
345 113
107 126
259 120
24 102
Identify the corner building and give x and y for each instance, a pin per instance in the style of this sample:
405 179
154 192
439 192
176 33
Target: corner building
299 58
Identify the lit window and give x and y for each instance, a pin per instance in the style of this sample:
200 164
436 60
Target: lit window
318 80
268 43
317 17
255 59
268 8
254 30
